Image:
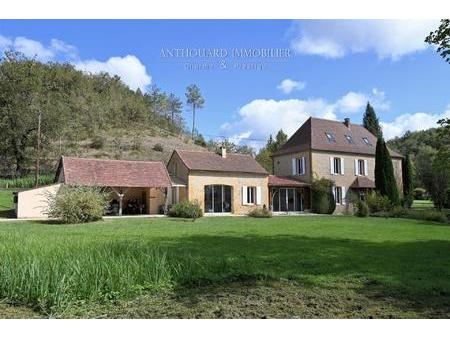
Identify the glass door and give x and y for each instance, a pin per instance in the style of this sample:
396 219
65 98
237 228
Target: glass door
217 198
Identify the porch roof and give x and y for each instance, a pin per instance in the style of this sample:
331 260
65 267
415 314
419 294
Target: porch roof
362 182
286 181
112 173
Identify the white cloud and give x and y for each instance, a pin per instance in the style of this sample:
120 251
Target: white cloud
337 38
412 122
288 85
259 118
129 68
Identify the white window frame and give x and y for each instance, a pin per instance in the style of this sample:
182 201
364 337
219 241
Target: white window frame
358 168
298 166
341 194
251 195
333 162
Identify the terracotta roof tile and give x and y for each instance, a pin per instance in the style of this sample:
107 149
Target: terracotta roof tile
286 181
114 173
209 161
312 135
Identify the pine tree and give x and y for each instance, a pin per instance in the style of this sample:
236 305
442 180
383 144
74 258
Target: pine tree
385 181
370 121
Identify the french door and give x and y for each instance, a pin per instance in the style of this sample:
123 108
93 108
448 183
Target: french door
217 198
287 199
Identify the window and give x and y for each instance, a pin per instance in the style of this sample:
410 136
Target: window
251 195
217 198
298 166
367 142
361 167
330 137
338 195
336 166
349 139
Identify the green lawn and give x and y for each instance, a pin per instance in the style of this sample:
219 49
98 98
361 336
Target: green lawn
6 203
422 204
308 267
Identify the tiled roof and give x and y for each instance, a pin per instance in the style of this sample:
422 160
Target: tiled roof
114 173
362 182
209 161
286 181
312 135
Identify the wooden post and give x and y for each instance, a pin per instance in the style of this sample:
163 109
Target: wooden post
120 203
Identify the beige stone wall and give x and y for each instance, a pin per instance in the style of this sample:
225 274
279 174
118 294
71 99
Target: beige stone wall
176 165
198 180
32 203
282 165
321 168
156 198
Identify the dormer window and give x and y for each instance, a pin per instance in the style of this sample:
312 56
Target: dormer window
330 137
349 139
367 142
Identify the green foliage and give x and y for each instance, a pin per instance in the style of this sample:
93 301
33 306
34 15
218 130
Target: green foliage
385 181
419 193
264 156
98 141
260 212
407 176
322 196
377 202
186 209
441 39
361 209
158 147
370 121
75 107
419 214
77 204
231 147
195 99
26 181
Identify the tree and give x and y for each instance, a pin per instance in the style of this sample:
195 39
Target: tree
195 99
441 38
175 105
370 121
280 139
407 178
385 181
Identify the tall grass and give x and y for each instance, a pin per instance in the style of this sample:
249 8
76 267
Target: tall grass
51 278
25 182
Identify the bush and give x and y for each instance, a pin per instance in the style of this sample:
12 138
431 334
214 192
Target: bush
158 147
419 193
408 201
260 212
98 142
428 215
377 202
77 204
361 209
322 196
186 209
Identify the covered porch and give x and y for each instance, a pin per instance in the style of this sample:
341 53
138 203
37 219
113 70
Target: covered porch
137 200
361 186
288 195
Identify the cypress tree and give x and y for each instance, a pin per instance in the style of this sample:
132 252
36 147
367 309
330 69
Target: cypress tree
407 181
385 181
370 121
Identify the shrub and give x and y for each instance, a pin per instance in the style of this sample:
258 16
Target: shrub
408 201
260 212
136 143
158 147
361 209
377 202
186 209
98 142
322 196
419 193
428 215
77 204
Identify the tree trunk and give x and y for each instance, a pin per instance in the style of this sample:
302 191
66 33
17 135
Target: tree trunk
193 120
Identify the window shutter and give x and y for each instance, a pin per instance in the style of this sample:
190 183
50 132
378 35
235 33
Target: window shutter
366 168
303 165
294 166
343 195
331 165
356 167
258 195
244 195
342 166
334 193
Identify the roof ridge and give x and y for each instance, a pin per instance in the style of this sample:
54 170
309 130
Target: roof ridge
336 121
107 159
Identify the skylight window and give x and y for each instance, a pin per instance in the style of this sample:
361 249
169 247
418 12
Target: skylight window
367 142
349 138
330 137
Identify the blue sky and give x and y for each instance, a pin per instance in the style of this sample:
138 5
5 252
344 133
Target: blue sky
333 69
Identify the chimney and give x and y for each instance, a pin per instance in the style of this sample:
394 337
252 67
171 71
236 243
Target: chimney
223 151
347 122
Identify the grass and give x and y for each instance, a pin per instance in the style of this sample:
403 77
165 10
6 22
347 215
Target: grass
25 182
6 204
320 266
